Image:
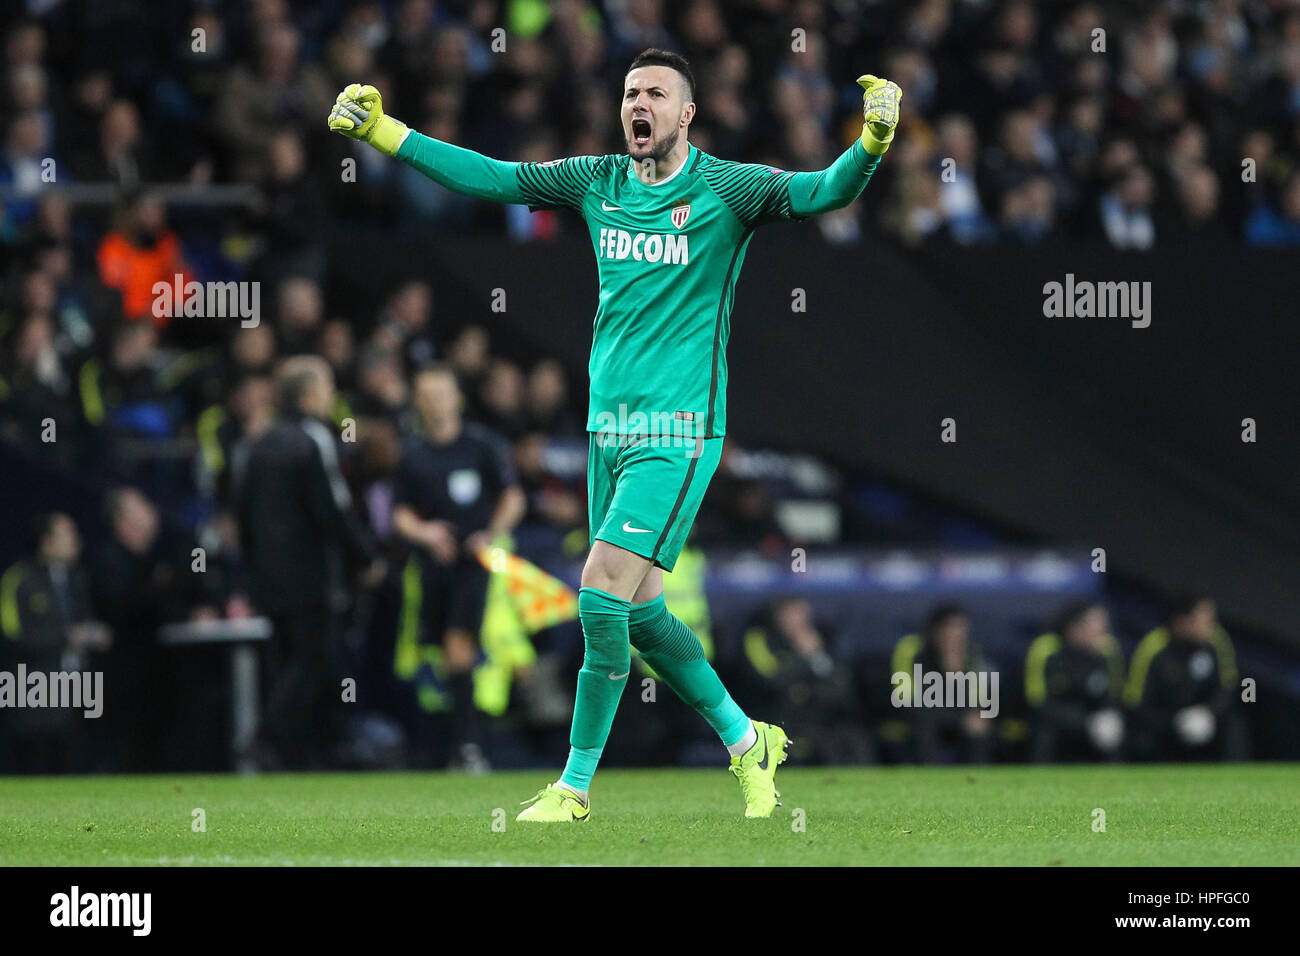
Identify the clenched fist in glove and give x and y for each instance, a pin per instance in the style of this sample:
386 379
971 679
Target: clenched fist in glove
359 113
880 101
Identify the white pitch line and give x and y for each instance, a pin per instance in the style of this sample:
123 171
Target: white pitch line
317 862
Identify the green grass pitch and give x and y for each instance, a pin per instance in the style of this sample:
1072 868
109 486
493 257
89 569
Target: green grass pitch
1169 815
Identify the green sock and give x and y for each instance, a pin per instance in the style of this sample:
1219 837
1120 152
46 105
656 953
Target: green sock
605 667
675 653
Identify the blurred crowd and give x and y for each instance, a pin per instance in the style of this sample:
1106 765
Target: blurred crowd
1129 124
1018 128
429 664
1073 697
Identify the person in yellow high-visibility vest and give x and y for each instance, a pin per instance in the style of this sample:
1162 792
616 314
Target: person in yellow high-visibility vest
521 600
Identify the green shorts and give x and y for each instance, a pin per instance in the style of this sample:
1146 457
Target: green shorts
644 496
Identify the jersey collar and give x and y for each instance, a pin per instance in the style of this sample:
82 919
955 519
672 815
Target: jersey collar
687 163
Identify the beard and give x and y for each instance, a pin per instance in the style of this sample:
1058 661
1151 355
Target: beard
659 152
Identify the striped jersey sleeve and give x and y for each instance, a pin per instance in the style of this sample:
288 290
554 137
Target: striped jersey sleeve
754 192
561 183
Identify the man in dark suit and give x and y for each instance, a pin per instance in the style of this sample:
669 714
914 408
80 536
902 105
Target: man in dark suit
301 537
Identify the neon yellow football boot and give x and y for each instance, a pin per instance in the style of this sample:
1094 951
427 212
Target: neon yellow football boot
554 805
756 769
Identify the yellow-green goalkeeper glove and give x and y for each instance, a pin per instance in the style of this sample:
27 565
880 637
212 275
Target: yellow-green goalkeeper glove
359 113
879 112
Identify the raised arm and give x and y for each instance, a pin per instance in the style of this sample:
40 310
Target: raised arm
841 182
833 187
463 170
758 193
358 113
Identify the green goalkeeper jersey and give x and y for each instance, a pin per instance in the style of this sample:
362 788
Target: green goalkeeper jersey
668 256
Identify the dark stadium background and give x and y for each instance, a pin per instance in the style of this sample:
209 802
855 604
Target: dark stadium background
1072 434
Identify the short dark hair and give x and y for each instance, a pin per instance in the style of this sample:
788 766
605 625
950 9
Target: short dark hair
1181 605
940 615
674 61
1072 614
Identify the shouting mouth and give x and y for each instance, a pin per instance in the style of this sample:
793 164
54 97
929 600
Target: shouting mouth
641 131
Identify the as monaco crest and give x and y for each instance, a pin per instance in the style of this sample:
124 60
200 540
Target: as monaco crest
681 214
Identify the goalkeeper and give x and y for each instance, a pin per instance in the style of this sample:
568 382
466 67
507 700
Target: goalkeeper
669 225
